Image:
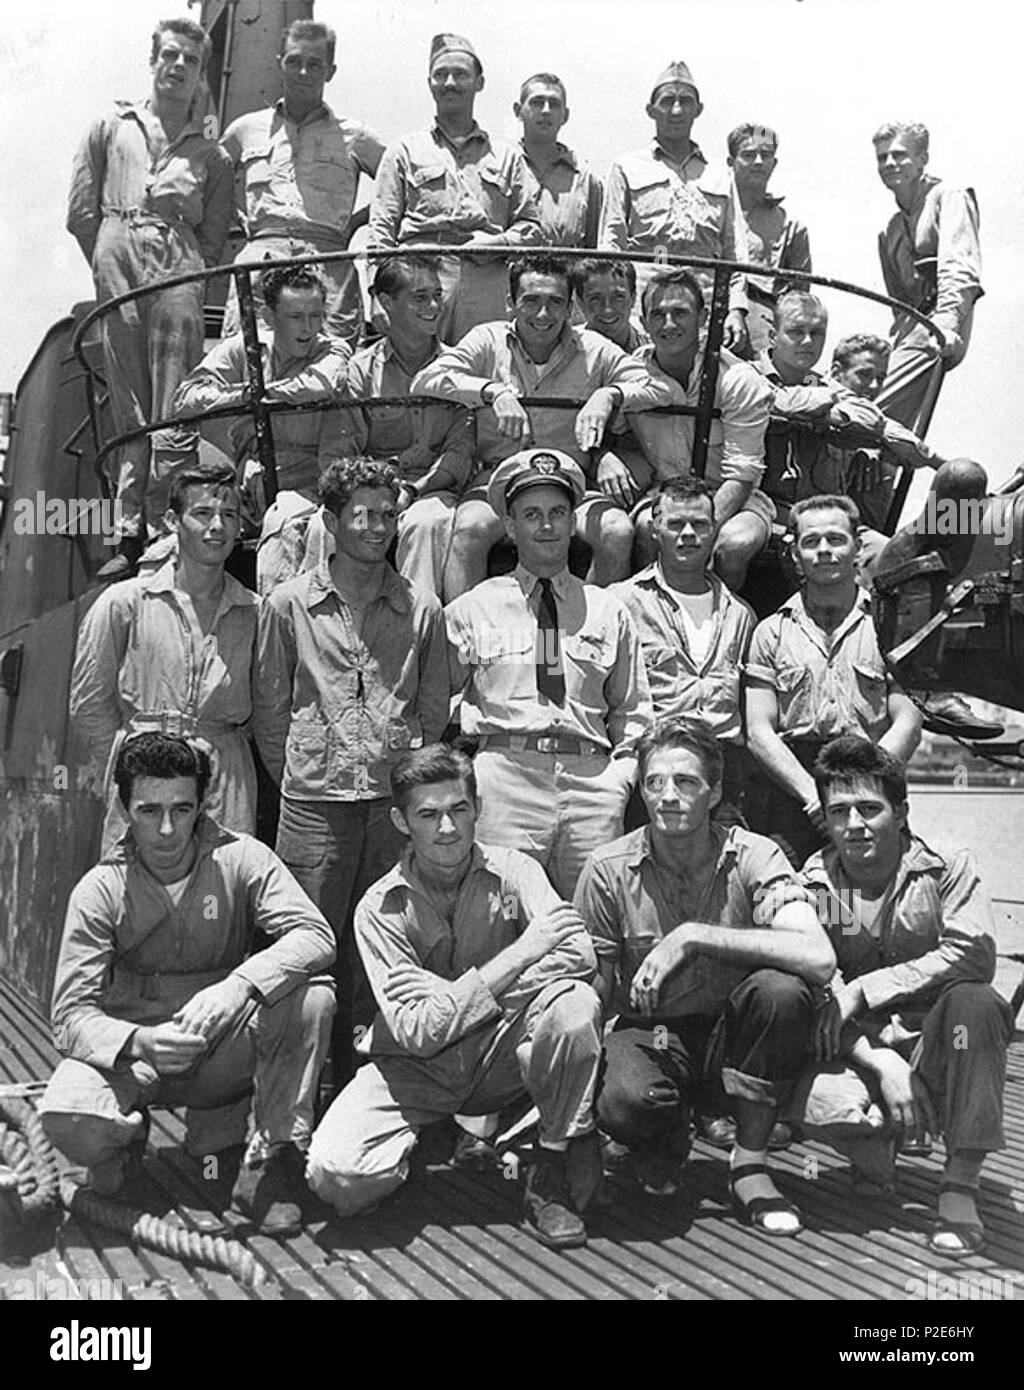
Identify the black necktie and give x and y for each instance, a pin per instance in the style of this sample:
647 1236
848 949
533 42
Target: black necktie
550 673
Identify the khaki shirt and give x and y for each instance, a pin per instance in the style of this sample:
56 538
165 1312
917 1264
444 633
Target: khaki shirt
580 362
931 255
823 692
430 190
438 438
652 202
117 171
568 197
300 178
130 956
397 923
629 905
493 635
335 703
934 929
678 685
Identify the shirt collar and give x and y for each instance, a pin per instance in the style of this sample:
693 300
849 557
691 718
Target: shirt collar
161 581
394 591
476 133
563 155
568 344
403 875
659 152
825 868
767 368
139 109
723 836
322 113
562 582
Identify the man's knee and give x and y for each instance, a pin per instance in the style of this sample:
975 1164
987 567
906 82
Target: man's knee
83 1118
974 1015
615 532
775 994
306 1012
477 526
575 1014
351 1171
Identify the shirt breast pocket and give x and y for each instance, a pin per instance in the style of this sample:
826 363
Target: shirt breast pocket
650 202
794 691
430 195
872 689
591 652
256 166
497 191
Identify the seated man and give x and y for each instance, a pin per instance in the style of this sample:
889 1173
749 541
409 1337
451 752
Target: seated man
694 632
814 671
160 1000
674 316
708 950
538 353
432 445
605 292
859 364
300 364
481 975
912 1006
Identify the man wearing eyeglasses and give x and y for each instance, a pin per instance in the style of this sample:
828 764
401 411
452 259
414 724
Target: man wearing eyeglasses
299 166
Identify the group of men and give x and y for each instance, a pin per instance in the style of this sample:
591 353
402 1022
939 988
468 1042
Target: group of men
599 843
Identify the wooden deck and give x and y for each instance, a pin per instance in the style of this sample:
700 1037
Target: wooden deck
454 1235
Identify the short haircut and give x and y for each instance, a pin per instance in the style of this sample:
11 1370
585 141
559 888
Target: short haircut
794 296
549 80
310 30
913 132
159 755
748 131
850 347
188 29
580 272
203 473
684 487
425 767
289 277
676 277
850 759
396 273
689 733
542 263
343 476
821 502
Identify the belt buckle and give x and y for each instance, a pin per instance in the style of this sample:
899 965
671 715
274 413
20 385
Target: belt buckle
547 744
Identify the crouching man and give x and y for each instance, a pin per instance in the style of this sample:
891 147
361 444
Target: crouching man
158 1001
912 1007
481 974
708 949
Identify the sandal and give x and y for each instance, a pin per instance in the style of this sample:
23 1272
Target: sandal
970 1234
752 1213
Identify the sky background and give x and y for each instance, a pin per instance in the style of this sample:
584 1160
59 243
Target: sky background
824 73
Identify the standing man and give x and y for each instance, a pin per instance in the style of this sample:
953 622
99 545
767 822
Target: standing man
693 631
150 200
674 316
481 976
912 1004
814 672
765 233
552 680
454 185
351 670
931 260
298 167
301 364
708 949
662 198
172 651
539 354
432 444
567 194
160 998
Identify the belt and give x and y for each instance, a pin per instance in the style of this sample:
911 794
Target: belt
140 215
175 721
543 743
322 241
154 985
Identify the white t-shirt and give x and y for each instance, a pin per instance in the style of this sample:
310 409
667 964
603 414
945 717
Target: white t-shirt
697 612
177 890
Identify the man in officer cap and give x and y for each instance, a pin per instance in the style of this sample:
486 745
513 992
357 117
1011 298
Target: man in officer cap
453 184
552 682
663 198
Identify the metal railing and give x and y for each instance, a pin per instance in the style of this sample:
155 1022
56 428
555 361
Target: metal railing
261 410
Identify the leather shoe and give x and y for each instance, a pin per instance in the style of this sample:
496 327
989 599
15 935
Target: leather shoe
547 1205
271 1192
473 1151
720 1132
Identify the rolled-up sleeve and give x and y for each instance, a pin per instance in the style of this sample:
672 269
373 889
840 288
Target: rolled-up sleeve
965 950
745 398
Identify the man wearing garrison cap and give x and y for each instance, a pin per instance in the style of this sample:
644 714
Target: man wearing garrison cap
663 198
454 185
552 683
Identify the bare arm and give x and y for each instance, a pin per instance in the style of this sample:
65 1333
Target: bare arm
762 708
904 731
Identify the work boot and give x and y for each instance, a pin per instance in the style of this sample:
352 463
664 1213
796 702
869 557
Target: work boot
547 1205
720 1132
474 1151
271 1191
948 714
124 563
